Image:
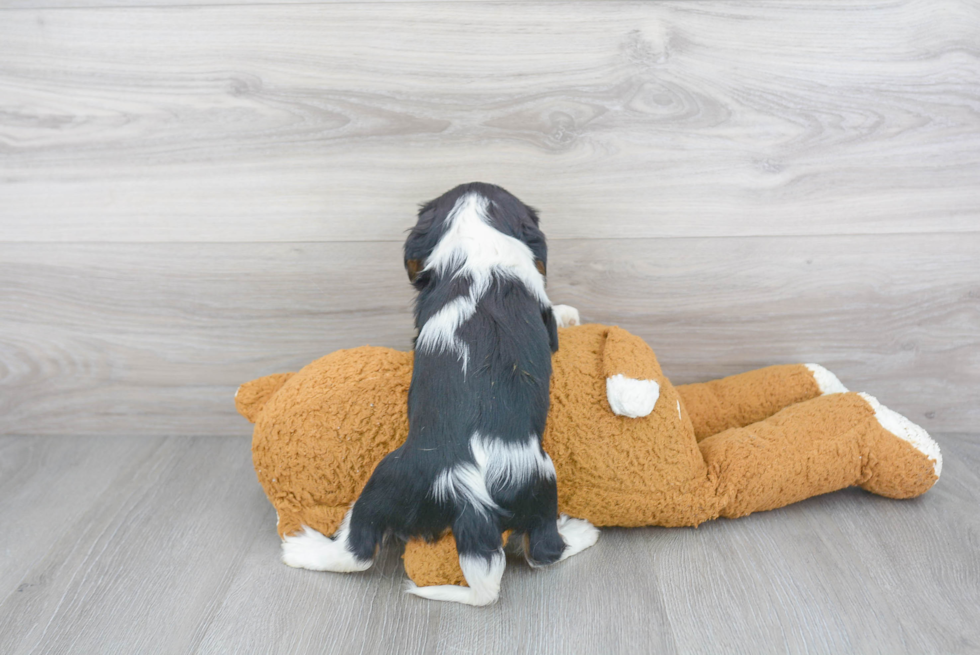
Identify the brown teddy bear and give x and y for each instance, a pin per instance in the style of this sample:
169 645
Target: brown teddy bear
629 448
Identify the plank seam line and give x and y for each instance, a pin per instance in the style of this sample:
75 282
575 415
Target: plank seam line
841 235
194 5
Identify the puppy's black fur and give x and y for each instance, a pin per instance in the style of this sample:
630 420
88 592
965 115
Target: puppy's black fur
501 395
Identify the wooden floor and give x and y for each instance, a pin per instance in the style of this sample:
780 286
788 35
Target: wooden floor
167 545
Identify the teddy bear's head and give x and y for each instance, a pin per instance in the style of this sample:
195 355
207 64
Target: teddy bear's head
320 432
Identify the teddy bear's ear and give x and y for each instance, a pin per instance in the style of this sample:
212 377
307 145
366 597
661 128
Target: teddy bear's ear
633 376
252 396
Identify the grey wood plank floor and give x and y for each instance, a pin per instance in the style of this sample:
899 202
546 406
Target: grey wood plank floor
167 545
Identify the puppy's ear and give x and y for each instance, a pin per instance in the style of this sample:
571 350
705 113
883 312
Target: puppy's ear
533 237
551 324
421 240
414 267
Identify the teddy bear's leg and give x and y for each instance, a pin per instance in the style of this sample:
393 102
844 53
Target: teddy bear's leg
818 446
481 559
746 398
895 467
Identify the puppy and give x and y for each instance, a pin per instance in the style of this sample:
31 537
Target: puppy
477 404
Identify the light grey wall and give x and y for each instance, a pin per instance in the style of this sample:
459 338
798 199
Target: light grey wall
193 196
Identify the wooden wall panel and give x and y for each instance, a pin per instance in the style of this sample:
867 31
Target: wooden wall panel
191 196
153 339
329 122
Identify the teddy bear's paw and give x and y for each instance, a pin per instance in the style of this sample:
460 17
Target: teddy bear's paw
578 534
631 398
566 315
826 380
907 431
312 550
483 578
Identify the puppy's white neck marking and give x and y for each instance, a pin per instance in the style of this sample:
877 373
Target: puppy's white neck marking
473 248
477 250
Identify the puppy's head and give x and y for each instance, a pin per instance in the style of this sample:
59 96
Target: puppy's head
498 208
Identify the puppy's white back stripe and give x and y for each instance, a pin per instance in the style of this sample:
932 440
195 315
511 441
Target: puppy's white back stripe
496 464
506 464
464 482
439 332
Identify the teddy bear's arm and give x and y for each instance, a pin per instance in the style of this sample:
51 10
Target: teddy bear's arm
632 374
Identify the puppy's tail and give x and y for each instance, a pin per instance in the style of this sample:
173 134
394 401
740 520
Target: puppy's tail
252 396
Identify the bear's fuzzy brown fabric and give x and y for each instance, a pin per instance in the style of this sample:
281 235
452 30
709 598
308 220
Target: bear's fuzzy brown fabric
730 447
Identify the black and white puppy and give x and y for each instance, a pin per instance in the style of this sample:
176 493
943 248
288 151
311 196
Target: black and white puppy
477 405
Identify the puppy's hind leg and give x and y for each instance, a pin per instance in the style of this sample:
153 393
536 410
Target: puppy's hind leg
549 541
481 557
558 540
312 550
542 543
350 549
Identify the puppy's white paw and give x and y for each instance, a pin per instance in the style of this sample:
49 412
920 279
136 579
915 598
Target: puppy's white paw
312 550
578 534
566 315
